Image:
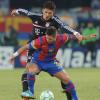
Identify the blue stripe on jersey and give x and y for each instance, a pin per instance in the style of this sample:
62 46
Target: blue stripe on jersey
51 51
40 40
38 51
50 54
30 45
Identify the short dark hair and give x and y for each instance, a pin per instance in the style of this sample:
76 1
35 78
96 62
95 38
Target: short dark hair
51 30
49 5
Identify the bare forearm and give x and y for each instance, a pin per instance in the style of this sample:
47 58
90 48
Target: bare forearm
20 50
89 37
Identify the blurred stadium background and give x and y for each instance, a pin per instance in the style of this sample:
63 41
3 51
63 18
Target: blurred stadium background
81 15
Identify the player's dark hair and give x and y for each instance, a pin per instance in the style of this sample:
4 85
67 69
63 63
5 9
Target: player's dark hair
51 30
49 5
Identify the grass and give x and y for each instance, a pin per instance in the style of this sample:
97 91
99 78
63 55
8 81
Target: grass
87 82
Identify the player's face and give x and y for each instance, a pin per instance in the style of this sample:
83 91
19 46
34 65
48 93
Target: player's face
51 38
47 13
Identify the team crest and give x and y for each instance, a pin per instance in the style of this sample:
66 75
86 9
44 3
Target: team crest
47 24
36 22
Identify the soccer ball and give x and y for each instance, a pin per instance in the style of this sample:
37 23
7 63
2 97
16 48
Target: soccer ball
47 95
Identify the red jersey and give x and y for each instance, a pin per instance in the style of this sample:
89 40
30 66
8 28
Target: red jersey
46 51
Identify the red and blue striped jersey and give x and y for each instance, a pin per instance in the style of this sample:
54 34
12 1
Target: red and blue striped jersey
46 51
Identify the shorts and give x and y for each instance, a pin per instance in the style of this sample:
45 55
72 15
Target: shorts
51 67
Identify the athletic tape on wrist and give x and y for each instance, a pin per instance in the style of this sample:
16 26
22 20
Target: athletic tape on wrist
15 54
17 12
76 33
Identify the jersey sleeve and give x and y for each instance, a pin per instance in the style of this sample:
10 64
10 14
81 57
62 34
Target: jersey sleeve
37 43
22 11
64 26
27 13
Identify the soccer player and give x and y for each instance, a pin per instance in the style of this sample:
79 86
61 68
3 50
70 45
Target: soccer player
43 58
40 23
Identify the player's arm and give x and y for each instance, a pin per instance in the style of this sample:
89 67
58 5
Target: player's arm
22 49
67 28
88 37
19 12
18 52
23 12
67 37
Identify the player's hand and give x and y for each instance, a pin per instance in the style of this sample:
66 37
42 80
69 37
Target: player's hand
89 37
93 36
13 13
79 37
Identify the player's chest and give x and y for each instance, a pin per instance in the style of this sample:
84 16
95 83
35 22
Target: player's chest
42 23
39 26
49 48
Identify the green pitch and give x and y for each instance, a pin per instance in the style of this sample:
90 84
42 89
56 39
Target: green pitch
87 83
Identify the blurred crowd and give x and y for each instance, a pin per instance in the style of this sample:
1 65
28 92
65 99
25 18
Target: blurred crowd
85 20
9 38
